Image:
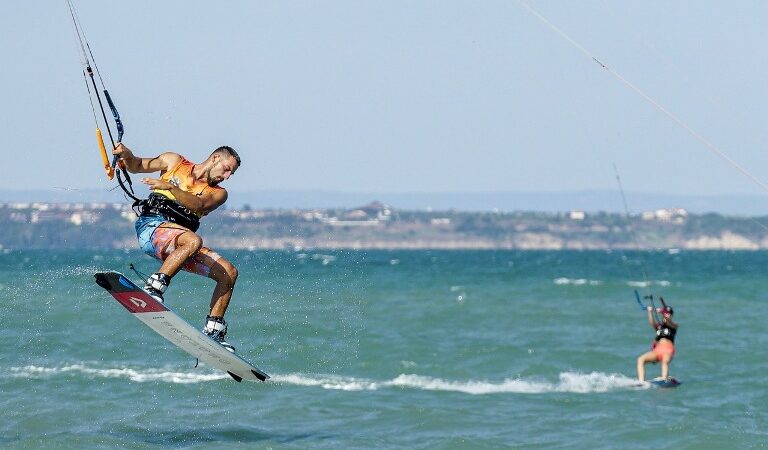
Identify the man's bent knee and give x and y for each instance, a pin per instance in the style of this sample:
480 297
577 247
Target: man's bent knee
226 273
191 240
231 272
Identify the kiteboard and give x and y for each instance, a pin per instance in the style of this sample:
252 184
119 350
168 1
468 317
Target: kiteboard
665 382
179 332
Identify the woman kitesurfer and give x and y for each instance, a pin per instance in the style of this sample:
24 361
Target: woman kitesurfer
663 347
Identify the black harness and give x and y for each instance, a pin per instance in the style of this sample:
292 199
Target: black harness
160 205
665 332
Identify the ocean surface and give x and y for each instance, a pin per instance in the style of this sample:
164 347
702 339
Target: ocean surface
391 350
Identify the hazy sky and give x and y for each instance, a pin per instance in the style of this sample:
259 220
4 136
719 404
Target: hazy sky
391 96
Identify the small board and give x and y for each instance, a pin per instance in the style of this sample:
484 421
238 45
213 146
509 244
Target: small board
665 382
179 332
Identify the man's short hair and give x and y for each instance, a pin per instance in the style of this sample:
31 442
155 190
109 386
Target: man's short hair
230 151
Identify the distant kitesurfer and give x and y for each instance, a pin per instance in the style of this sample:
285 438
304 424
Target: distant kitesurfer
663 347
169 218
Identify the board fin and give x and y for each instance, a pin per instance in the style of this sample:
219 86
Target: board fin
260 376
237 378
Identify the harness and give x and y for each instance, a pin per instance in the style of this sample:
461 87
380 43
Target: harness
160 205
665 332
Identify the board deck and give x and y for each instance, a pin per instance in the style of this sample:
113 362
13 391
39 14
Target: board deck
179 332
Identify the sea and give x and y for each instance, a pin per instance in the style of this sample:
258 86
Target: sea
392 350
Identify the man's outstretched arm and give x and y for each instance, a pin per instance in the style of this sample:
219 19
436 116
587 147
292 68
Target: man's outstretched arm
135 164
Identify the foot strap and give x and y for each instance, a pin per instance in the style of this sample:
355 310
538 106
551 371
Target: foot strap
216 324
159 281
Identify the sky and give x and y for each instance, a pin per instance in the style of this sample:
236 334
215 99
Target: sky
395 96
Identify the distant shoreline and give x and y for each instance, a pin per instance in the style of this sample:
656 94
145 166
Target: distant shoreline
379 226
705 244
592 200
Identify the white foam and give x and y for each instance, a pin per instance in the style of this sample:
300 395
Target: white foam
137 375
641 284
594 382
332 382
471 387
573 382
577 281
568 382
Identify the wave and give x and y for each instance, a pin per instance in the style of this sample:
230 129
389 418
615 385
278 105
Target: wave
568 382
577 281
573 382
586 282
137 375
663 283
332 382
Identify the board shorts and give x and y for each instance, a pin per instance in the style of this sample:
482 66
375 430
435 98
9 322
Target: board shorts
157 238
662 348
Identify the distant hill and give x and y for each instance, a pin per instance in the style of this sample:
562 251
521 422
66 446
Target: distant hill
590 201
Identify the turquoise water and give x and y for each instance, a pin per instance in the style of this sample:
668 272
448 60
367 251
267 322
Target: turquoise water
392 349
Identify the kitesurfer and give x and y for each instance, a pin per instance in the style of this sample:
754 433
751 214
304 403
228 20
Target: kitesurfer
169 218
663 347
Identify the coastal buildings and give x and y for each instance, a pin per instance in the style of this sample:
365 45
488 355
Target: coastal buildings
380 226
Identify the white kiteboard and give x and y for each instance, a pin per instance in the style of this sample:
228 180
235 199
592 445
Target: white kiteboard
179 332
